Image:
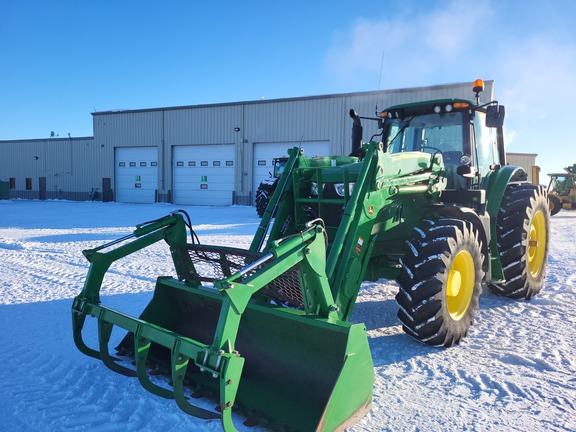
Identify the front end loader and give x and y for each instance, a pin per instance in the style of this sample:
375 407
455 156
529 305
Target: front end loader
266 331
562 190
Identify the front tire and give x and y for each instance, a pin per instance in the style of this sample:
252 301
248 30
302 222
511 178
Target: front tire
522 235
440 282
554 204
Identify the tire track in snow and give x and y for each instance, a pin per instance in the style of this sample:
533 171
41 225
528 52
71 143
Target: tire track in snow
515 371
50 274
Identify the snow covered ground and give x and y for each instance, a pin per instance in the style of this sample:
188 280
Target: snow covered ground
516 371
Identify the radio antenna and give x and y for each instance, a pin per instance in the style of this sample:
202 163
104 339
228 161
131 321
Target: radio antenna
381 69
380 79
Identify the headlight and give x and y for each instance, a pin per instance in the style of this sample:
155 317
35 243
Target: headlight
340 188
465 160
314 189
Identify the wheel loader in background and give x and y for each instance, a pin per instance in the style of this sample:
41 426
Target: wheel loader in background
562 190
429 201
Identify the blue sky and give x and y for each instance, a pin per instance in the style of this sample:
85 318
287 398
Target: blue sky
62 60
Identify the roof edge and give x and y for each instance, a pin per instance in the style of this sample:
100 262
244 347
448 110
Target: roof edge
292 99
49 139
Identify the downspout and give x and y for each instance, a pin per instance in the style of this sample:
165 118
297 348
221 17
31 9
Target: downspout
162 159
242 153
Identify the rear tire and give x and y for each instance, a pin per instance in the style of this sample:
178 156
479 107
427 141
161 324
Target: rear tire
263 195
440 282
522 234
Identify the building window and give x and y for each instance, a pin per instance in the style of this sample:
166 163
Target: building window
204 163
122 164
12 183
215 163
191 163
261 163
153 163
132 164
28 183
229 163
142 164
179 163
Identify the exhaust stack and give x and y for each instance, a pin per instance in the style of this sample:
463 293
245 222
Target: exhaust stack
356 134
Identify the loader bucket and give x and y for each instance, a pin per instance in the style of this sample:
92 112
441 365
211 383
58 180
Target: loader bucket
300 372
260 333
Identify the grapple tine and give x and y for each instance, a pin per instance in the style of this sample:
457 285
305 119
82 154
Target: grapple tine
179 366
78 320
104 332
141 350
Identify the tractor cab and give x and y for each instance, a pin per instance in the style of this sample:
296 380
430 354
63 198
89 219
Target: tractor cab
467 136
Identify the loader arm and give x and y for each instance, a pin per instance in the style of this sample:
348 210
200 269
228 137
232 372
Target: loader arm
282 189
354 239
371 190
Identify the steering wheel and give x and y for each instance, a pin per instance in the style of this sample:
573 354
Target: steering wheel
452 157
433 148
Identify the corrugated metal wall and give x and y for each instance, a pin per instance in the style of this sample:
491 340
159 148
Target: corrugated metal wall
73 166
526 161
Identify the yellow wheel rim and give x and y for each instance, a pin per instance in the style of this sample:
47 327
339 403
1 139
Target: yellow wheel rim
537 244
460 285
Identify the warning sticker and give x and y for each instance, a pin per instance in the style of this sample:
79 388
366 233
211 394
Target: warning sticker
359 245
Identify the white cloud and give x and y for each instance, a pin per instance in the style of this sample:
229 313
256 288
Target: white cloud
529 51
537 75
359 50
416 46
451 31
534 80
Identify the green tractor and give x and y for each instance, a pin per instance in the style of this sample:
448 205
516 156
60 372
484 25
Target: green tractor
267 186
562 190
429 201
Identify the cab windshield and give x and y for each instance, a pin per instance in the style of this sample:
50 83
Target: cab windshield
429 133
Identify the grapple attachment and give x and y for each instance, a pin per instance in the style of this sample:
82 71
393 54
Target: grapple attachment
259 332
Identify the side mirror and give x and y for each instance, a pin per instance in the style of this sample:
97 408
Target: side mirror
466 171
495 116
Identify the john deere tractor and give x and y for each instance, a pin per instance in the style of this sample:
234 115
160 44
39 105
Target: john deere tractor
429 201
562 190
267 186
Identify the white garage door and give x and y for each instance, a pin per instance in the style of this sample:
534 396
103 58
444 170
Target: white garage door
265 152
203 174
136 174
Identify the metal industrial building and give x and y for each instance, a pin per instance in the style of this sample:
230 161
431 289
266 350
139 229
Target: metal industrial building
201 154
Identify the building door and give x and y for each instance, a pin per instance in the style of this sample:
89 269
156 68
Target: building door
203 174
42 188
136 174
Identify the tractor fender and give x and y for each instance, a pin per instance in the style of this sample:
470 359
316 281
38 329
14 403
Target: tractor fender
495 185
